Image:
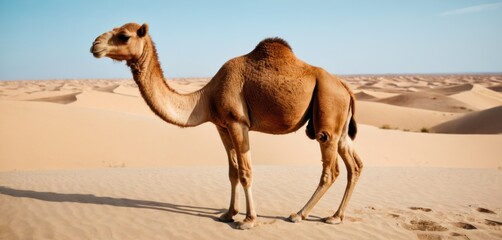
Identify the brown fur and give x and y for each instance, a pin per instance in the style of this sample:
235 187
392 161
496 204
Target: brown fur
267 90
269 42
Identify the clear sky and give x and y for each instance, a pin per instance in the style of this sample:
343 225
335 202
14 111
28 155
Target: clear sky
50 39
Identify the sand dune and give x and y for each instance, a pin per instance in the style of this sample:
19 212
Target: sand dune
430 101
86 159
425 81
496 88
364 96
480 97
56 98
483 122
40 95
188 85
113 102
67 136
376 94
403 118
128 91
452 89
109 89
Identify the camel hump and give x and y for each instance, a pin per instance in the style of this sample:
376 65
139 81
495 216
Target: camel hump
272 47
273 42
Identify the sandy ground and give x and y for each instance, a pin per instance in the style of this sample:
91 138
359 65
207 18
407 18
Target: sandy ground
86 159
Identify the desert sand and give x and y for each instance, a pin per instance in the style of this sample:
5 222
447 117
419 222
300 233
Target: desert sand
86 159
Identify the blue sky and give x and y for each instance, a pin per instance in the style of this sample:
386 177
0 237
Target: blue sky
51 39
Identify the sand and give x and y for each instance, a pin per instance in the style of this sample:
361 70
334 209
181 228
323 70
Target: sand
86 159
481 122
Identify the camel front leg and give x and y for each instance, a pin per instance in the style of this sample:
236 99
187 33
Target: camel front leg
330 172
240 139
233 175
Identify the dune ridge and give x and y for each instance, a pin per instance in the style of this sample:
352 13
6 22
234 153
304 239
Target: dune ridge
480 97
488 121
429 101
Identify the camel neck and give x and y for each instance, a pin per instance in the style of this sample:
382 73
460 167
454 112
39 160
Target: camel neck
184 110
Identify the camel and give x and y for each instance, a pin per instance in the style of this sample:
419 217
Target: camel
267 90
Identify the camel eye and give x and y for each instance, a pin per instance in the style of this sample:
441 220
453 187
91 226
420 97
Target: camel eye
123 38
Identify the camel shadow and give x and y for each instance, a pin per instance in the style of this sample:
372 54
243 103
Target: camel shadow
207 212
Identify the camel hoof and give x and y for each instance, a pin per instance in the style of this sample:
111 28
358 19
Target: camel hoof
246 224
333 220
226 217
294 217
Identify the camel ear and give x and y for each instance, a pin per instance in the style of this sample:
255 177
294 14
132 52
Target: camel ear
143 30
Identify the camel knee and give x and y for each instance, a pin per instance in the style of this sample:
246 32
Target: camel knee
358 164
359 168
326 180
354 172
329 177
245 177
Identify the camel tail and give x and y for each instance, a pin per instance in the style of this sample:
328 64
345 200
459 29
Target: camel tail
352 131
352 123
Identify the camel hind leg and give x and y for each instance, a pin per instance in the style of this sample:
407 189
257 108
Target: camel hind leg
354 167
331 104
329 174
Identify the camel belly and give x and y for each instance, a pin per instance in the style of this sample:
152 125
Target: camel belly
278 107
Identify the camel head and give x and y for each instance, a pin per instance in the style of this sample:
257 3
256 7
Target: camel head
123 43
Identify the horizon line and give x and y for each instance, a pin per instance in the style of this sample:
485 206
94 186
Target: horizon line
340 74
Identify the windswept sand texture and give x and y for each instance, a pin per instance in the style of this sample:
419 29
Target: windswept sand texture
86 159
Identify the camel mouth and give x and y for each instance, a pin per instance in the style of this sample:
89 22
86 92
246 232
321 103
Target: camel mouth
98 53
99 46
